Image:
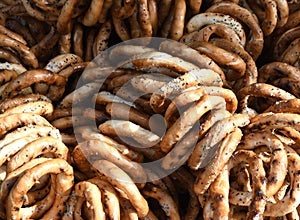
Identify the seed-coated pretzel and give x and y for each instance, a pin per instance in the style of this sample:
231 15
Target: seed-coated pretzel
121 180
63 186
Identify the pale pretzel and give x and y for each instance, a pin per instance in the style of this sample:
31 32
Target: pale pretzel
111 201
36 148
36 76
37 107
164 199
13 66
178 22
95 149
121 180
92 195
191 55
64 183
291 200
59 62
226 148
79 95
129 129
255 45
192 78
125 112
149 83
89 133
188 119
204 150
27 56
13 121
207 18
101 39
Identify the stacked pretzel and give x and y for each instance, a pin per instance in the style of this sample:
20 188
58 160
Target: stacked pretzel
217 114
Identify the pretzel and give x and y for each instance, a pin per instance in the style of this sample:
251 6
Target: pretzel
277 170
69 121
129 129
128 211
64 43
223 58
105 11
285 106
167 24
89 134
121 180
92 14
135 29
290 201
178 22
290 53
63 24
64 183
207 18
27 56
9 56
191 55
59 62
144 18
77 39
111 201
35 148
121 28
164 199
119 81
255 45
12 34
273 70
257 205
290 85
91 193
13 66
80 93
122 111
188 119
195 77
94 150
163 11
36 76
101 39
153 13
274 120
201 154
225 149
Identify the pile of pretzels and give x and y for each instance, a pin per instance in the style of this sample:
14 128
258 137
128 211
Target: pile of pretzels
149 109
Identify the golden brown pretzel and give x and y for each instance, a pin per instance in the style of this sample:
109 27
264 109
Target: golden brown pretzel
201 154
28 57
64 43
63 24
177 27
9 56
36 148
30 77
7 75
135 29
290 54
254 46
167 24
144 18
189 54
64 183
12 34
19 68
291 106
59 62
105 11
289 85
13 121
188 119
92 14
111 201
121 180
102 38
94 150
153 12
210 172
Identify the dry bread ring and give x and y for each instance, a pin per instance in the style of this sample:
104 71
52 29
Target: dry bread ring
144 18
30 77
121 180
9 56
208 174
288 84
111 201
59 62
64 183
36 148
13 121
164 199
205 147
12 34
177 27
188 119
92 14
19 68
7 75
121 28
285 106
129 129
94 150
